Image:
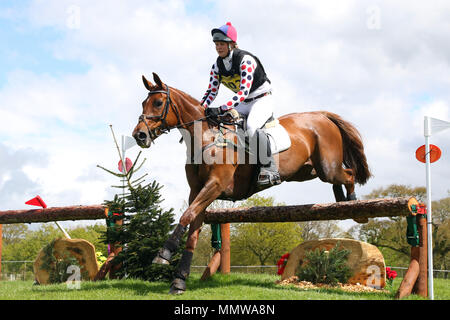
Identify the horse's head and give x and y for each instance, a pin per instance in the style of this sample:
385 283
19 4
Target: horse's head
159 114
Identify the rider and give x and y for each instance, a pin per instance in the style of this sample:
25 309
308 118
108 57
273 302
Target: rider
243 73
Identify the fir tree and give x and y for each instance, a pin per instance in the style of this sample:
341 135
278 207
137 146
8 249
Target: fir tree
146 226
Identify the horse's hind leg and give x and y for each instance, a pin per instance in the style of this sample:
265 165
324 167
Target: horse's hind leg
350 184
344 177
338 193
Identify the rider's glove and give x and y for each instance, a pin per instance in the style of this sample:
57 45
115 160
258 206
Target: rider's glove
233 113
212 112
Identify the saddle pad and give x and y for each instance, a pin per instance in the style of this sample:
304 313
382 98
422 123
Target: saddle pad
278 136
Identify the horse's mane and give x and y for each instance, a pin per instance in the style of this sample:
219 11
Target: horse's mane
187 96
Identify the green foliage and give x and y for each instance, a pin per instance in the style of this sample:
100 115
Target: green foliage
146 226
328 267
263 243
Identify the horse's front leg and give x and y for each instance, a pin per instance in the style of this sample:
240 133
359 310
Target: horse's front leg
194 215
210 191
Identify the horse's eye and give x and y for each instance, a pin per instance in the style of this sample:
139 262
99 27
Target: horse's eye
158 103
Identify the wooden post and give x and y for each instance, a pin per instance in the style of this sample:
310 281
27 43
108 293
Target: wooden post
212 267
416 277
421 286
115 249
225 249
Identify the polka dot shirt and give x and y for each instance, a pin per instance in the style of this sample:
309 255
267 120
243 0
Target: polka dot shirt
246 70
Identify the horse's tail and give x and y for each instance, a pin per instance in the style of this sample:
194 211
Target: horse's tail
354 157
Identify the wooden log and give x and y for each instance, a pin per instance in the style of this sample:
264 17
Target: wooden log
421 285
225 249
91 212
212 266
357 209
416 277
410 278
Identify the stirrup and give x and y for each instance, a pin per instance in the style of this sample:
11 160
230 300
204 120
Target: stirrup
267 177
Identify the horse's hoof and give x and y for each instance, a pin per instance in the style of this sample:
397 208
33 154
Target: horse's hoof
178 286
361 220
159 260
175 291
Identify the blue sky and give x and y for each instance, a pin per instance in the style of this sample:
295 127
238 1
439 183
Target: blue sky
25 46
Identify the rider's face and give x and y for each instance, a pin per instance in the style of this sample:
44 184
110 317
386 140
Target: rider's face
222 48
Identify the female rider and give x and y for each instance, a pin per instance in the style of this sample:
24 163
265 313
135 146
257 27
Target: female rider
243 73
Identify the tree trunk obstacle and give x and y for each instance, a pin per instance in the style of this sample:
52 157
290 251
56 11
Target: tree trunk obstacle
415 280
313 212
53 214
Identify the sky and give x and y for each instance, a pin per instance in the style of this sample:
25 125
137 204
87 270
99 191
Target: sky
70 69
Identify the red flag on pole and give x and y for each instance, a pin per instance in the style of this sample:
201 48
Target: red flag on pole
37 201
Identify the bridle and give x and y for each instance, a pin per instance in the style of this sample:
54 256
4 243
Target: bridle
164 127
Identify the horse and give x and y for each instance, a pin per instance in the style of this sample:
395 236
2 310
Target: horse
323 145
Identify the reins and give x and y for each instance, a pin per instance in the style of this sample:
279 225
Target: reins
164 128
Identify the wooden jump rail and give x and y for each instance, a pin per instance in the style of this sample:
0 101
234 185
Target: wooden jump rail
313 212
92 212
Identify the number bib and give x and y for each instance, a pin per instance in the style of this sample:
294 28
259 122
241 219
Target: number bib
232 82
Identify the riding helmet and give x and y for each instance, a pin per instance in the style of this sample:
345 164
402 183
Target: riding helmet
225 33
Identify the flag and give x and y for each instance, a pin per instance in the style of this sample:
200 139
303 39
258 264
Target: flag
37 201
438 125
128 142
433 125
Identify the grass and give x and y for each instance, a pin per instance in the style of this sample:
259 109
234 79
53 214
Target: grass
235 286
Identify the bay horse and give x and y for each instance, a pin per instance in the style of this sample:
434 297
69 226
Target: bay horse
323 145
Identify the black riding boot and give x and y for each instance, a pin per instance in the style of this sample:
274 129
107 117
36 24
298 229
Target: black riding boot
268 174
178 285
170 246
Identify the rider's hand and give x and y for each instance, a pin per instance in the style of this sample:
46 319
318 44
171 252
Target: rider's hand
213 112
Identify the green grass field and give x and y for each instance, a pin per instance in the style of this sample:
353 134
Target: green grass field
235 286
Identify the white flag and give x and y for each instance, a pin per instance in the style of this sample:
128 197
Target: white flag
128 142
439 125
433 125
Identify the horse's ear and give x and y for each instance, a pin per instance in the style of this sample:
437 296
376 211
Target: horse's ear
147 83
157 80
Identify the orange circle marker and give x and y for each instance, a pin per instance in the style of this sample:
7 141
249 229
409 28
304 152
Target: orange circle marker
435 153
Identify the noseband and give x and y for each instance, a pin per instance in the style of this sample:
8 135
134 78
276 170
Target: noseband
163 128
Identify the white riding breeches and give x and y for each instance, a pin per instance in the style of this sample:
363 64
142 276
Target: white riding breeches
257 112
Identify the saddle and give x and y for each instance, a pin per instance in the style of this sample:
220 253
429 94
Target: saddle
278 136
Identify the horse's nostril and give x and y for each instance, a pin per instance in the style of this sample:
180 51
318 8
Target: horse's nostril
142 136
